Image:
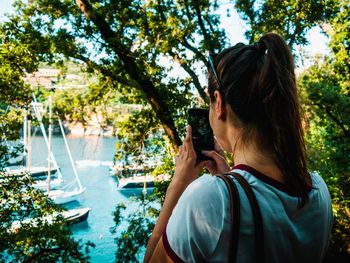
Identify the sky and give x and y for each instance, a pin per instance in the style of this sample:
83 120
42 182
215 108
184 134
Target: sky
5 7
235 28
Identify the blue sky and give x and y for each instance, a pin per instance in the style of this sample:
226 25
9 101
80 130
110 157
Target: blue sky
5 7
234 27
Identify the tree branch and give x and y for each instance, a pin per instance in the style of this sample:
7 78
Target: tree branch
297 29
158 105
195 51
210 25
207 38
108 73
37 256
192 74
183 63
335 119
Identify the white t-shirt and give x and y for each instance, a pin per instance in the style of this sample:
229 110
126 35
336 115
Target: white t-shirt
199 227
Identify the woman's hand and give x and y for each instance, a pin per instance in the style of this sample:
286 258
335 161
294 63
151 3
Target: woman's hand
218 165
186 170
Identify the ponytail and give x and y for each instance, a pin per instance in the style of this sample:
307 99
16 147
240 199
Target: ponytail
258 82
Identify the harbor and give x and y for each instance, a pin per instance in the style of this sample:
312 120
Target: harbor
94 154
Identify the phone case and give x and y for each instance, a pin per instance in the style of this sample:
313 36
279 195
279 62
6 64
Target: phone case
202 134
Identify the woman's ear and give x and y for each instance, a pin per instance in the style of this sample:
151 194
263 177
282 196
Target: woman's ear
219 107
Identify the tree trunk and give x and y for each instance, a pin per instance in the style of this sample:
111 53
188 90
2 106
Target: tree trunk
161 109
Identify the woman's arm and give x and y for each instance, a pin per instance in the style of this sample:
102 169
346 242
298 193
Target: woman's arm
172 196
186 171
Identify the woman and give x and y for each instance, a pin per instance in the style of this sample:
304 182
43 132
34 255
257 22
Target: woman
254 114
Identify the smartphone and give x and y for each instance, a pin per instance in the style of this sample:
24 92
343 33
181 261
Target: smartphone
202 134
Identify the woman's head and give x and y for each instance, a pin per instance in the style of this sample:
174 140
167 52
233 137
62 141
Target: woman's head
257 83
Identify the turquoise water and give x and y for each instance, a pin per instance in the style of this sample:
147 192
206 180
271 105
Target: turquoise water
101 193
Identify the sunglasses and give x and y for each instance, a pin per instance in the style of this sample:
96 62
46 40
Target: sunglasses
212 67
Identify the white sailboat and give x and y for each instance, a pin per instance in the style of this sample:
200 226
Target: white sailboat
52 167
15 168
67 193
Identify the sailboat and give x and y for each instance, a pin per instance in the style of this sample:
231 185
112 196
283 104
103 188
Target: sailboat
37 172
67 193
52 167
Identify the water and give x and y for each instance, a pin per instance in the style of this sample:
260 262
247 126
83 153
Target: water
101 193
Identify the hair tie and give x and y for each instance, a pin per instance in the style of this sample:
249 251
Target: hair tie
261 47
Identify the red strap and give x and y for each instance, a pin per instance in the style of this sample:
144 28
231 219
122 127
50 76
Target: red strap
235 215
258 223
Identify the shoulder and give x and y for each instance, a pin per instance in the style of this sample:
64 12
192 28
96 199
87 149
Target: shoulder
205 198
205 189
198 219
320 196
319 185
317 180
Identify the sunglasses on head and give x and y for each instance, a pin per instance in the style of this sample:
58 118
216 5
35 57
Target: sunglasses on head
242 47
212 67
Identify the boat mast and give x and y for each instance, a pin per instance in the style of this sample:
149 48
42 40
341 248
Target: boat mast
42 128
28 120
49 146
70 154
25 134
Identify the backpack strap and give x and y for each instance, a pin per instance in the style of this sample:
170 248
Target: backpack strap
235 215
258 223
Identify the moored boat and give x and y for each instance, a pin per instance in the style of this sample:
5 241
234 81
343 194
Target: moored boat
78 215
72 216
35 171
140 181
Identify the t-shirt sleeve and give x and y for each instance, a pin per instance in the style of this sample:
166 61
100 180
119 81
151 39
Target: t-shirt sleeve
197 221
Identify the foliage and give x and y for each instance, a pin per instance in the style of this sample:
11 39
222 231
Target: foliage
36 239
19 201
327 134
129 42
141 141
327 109
135 46
289 18
132 239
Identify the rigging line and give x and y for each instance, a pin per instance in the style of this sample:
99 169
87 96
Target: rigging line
69 154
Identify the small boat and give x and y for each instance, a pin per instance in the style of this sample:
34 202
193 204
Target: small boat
73 216
136 182
35 171
120 170
140 181
88 163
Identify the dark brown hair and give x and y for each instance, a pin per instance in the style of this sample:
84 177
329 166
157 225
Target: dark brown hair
258 82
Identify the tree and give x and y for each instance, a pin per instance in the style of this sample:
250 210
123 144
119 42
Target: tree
327 106
130 39
134 37
36 239
289 18
44 240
